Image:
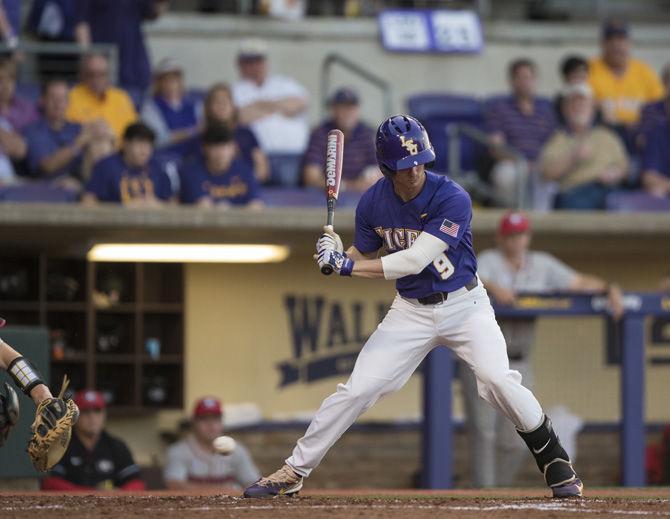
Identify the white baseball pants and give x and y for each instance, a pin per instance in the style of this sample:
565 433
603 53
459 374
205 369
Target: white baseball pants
465 323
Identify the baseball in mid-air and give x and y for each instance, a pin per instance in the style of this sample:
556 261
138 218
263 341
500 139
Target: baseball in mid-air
224 445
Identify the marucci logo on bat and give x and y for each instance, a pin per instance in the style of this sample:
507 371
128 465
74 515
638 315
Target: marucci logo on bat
331 165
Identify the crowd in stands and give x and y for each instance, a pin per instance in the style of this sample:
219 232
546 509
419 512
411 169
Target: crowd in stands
151 140
606 130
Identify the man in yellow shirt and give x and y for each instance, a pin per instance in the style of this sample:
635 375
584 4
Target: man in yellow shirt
585 160
621 84
94 98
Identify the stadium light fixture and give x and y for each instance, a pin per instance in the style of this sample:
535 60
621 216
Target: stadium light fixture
188 253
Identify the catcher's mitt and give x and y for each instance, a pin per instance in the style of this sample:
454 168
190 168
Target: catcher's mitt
52 430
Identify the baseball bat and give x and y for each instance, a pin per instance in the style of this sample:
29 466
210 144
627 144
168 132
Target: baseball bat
334 151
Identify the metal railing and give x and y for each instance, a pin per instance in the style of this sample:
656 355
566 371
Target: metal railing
360 71
38 60
454 133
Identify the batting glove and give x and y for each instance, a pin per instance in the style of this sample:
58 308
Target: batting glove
329 240
339 261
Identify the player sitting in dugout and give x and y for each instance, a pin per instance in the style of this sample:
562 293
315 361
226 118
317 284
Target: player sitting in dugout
193 463
218 176
95 460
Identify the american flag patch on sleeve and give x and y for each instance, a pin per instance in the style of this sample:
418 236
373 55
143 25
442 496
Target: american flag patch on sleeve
450 228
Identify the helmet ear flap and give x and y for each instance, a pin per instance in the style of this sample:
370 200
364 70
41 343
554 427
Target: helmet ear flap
386 171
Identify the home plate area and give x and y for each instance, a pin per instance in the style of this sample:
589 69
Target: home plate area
502 503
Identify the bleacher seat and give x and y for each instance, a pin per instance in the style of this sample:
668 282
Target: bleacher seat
36 192
436 111
305 197
632 202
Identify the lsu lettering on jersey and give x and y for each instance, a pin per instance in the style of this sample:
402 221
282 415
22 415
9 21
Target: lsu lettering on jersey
443 209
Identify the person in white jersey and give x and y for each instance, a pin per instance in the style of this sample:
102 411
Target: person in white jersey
193 463
496 451
275 108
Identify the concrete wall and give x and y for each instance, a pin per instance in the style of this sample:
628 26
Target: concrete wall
207 47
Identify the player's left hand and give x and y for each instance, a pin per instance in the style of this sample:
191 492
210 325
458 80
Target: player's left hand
329 240
339 261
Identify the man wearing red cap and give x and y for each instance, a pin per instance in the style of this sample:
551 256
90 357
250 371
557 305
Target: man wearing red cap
193 463
94 459
510 269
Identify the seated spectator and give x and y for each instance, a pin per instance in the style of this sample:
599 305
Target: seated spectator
169 113
359 166
656 113
573 69
94 97
524 122
193 463
94 460
275 108
120 23
131 177
219 109
218 176
61 151
15 114
621 84
656 162
586 160
16 110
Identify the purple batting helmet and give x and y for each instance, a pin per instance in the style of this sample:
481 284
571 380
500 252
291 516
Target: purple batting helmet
402 142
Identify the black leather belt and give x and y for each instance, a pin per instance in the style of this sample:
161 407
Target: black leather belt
441 297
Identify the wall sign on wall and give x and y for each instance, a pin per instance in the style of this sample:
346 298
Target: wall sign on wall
426 31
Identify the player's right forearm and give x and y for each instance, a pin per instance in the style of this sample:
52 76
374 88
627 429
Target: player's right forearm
7 356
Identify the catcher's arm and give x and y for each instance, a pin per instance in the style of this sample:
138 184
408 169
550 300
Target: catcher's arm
54 418
24 374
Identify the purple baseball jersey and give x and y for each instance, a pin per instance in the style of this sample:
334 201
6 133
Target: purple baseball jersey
443 209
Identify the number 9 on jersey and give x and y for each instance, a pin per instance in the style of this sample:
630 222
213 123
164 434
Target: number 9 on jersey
444 267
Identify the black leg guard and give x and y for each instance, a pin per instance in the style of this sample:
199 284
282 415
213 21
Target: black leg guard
550 456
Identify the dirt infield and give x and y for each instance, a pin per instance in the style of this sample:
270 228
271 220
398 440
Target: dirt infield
519 504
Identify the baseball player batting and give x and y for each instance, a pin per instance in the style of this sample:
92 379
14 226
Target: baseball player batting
423 220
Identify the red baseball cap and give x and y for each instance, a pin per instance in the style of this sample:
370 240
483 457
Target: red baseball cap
207 406
89 399
513 222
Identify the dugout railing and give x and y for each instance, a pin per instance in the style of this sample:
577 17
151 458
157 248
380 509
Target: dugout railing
358 70
437 447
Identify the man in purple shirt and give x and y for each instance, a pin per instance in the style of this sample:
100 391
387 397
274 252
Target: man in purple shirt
55 144
522 121
132 176
19 112
656 162
218 176
359 165
656 113
423 220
